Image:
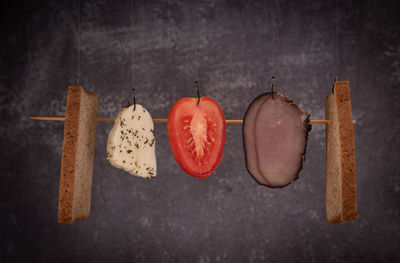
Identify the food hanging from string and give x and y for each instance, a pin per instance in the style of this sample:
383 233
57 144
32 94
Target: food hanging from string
340 167
196 132
275 132
131 143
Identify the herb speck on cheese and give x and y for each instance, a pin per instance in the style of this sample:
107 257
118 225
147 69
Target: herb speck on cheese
152 142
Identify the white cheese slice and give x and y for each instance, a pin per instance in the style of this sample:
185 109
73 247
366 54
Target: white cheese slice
131 143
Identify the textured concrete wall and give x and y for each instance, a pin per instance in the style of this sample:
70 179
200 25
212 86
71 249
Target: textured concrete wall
175 217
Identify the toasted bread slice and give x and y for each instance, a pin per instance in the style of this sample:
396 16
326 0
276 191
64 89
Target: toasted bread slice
341 194
78 155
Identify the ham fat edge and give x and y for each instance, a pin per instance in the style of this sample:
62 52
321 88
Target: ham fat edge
275 133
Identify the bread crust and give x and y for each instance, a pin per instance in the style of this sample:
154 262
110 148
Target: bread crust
76 99
347 150
341 194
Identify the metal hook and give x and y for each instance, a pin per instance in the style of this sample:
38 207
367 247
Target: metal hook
333 86
272 87
77 80
133 98
196 83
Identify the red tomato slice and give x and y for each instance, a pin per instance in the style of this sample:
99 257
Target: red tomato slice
196 133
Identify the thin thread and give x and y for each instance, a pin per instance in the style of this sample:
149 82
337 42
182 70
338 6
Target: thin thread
273 38
79 43
196 82
273 50
195 41
337 41
132 59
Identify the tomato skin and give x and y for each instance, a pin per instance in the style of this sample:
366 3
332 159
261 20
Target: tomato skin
196 134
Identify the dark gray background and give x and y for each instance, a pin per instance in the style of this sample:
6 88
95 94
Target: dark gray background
175 217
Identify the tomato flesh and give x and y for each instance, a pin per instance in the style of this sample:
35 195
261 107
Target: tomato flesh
196 133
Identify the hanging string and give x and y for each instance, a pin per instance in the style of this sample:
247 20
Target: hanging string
196 82
337 41
195 41
337 46
132 60
273 39
79 42
273 50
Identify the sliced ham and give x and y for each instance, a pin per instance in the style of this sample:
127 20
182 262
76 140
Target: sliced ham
275 133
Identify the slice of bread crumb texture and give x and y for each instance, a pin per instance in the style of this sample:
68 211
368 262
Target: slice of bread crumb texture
341 193
78 155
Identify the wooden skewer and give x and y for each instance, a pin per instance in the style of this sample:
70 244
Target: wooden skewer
159 120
